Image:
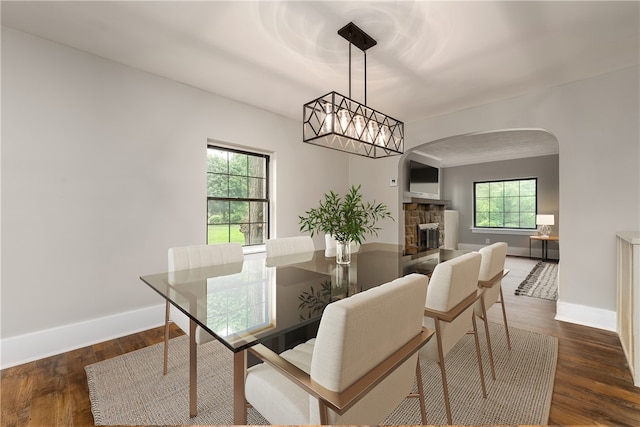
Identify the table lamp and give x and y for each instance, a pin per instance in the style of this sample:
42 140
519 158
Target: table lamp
544 221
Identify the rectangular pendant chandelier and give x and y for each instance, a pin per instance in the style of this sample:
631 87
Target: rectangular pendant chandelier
341 123
335 121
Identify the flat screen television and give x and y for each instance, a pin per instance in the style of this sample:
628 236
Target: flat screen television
424 179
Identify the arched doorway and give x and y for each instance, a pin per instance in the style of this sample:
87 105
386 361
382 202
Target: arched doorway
485 156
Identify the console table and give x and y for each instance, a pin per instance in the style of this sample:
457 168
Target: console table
545 241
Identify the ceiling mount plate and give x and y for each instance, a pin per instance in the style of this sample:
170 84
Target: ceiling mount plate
354 35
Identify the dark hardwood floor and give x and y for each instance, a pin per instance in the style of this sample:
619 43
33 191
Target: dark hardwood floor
592 385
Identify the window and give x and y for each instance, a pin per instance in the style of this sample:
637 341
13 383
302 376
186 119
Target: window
505 204
237 196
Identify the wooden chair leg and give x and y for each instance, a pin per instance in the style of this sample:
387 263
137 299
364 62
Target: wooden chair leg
193 370
445 388
423 409
504 317
475 335
324 414
486 332
166 338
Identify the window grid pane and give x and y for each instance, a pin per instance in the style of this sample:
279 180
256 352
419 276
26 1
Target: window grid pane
505 204
237 196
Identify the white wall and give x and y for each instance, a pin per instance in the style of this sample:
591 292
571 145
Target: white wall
596 122
458 188
103 169
374 176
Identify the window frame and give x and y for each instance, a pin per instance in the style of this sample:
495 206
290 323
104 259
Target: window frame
266 199
497 228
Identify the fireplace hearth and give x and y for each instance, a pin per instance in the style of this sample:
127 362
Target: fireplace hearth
423 224
428 236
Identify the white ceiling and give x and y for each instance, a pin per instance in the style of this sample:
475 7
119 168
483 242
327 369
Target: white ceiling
431 58
482 147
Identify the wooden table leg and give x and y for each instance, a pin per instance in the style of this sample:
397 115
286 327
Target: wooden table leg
193 370
239 400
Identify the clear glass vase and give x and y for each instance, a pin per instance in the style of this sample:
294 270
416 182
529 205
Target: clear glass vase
343 252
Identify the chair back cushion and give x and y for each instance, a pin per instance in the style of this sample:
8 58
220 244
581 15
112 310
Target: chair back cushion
358 333
186 257
493 258
451 282
288 245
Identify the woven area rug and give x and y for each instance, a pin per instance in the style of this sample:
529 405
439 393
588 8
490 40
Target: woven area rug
542 282
131 390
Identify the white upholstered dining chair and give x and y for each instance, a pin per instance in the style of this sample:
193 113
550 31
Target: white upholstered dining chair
288 250
357 370
187 257
490 278
288 246
453 291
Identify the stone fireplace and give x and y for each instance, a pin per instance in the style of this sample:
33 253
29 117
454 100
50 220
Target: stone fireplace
422 211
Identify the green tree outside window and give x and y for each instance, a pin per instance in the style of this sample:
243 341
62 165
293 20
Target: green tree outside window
505 204
237 196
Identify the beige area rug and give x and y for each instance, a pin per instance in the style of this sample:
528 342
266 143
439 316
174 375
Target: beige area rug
131 390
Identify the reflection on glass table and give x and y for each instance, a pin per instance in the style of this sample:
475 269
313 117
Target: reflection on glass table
341 284
425 262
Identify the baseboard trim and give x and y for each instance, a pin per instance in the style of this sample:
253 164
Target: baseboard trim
536 253
586 316
49 342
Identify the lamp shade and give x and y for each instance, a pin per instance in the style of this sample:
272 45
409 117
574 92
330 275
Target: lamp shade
545 220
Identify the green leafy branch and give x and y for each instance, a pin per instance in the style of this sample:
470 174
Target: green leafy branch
346 218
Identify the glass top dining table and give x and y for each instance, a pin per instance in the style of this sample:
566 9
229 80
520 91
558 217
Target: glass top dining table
252 301
258 300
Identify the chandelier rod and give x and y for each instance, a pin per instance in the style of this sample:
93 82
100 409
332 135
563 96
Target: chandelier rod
350 65
355 36
365 75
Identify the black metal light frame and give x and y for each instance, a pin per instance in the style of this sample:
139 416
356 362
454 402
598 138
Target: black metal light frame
338 122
